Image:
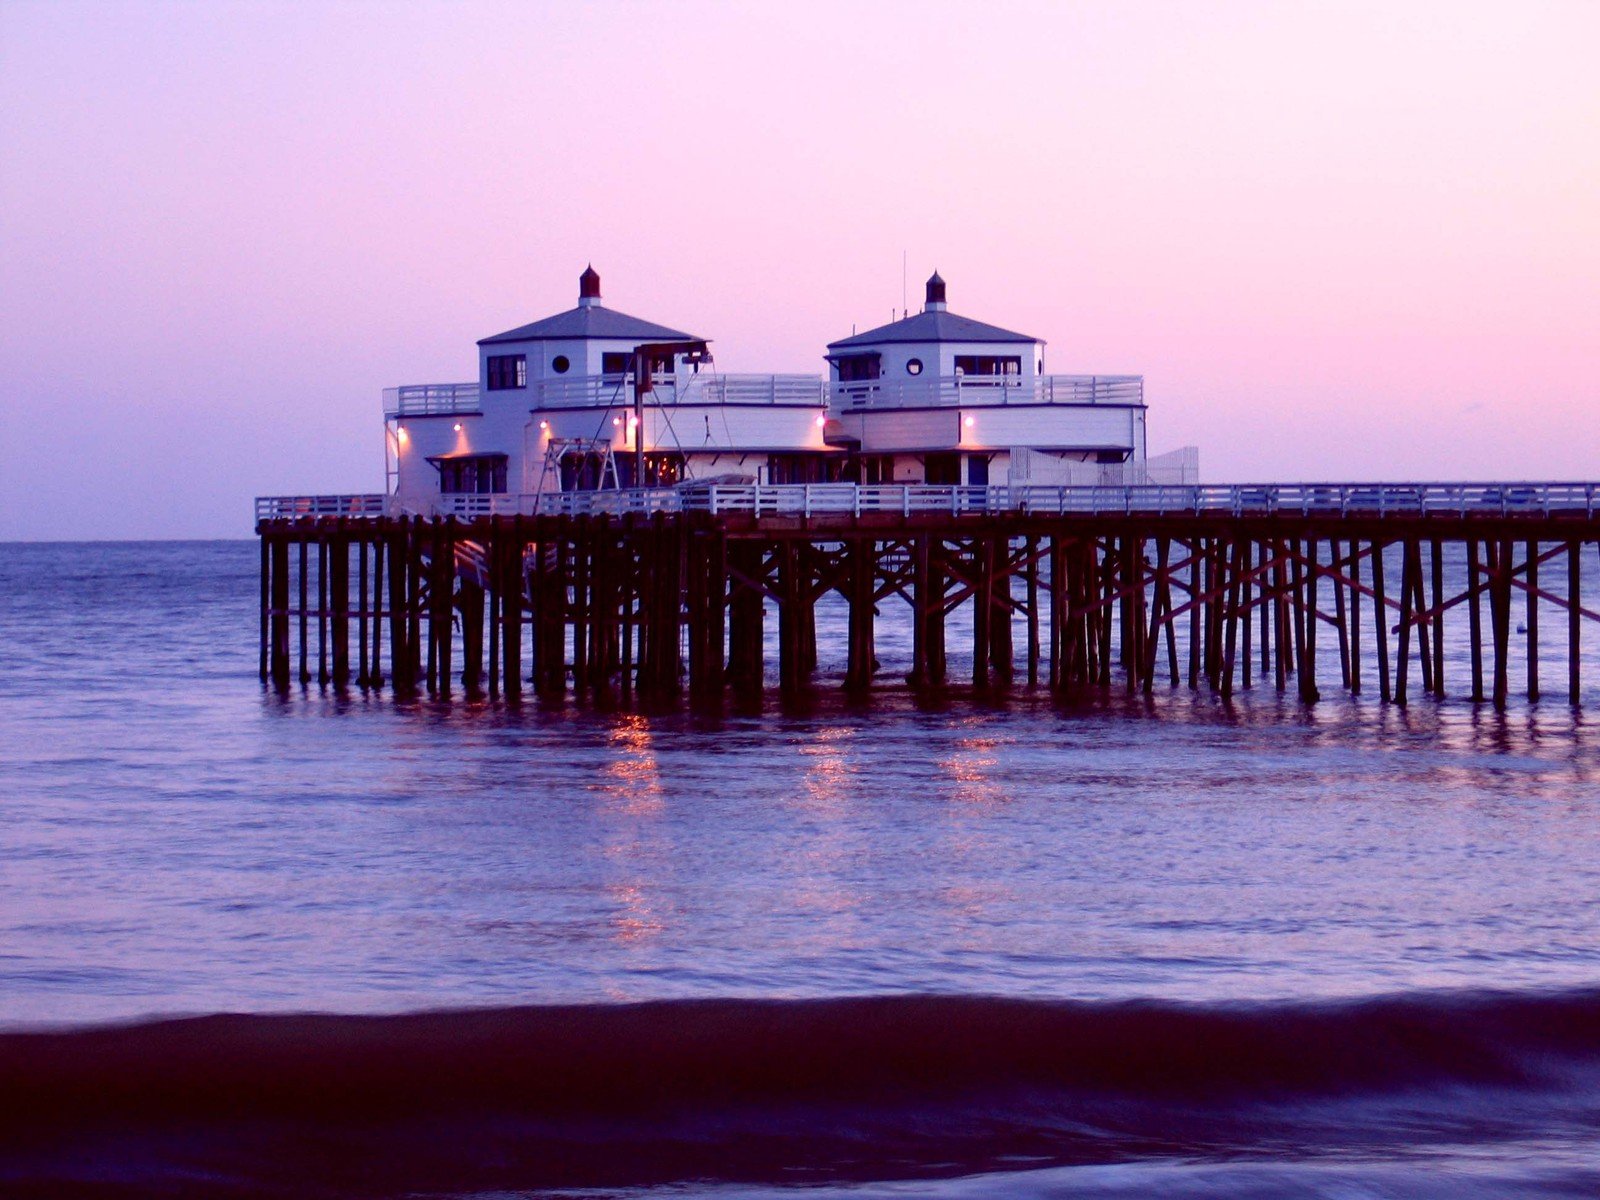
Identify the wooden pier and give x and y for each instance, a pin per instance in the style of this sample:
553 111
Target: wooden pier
657 596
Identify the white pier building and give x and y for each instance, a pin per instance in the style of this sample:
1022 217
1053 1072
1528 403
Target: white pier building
592 398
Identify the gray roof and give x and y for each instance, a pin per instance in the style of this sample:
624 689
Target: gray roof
936 326
593 321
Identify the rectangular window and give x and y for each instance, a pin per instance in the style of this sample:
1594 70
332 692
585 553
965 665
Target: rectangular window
941 470
480 474
614 362
987 365
978 470
856 367
507 371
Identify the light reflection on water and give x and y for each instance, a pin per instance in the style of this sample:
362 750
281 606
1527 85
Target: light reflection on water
174 840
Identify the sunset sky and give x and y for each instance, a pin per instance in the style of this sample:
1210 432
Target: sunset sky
1339 240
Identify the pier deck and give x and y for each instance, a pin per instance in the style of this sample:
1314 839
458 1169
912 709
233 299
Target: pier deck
615 596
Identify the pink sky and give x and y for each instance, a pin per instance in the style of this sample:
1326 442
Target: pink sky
1340 241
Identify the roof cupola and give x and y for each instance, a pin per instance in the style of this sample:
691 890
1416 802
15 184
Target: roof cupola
589 287
935 294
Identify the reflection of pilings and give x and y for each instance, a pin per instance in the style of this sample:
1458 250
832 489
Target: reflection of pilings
613 602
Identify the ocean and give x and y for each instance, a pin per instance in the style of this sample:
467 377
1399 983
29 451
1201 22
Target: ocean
334 945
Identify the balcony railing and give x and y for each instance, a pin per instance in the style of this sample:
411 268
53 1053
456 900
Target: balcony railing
968 391
431 400
1380 500
604 390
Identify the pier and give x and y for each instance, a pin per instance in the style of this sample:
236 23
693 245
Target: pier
663 594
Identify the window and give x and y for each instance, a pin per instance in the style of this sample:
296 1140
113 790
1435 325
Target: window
978 470
472 473
989 365
621 362
804 468
856 367
914 367
942 470
507 371
560 364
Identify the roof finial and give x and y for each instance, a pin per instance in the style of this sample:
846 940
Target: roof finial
935 294
589 287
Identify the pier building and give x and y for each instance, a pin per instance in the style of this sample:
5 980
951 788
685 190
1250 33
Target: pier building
594 399
939 398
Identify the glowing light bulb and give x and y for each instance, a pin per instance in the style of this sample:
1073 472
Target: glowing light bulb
969 422
545 425
616 420
457 427
632 421
401 434
821 421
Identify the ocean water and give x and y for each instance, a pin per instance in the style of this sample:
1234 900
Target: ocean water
327 944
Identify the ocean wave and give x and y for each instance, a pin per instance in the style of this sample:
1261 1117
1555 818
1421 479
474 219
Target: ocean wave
738 1089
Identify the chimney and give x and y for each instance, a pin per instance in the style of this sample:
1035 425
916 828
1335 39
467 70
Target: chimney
589 287
935 294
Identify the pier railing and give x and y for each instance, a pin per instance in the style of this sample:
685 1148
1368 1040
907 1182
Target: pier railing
431 400
1362 499
969 391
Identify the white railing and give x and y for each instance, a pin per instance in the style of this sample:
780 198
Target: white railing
969 391
602 390
1382 500
288 508
431 400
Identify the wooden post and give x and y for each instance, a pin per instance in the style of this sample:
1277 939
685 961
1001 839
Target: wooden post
745 637
511 608
921 575
375 667
1268 606
1308 660
1574 633
1297 589
790 667
305 670
362 618
1408 570
1437 557
322 606
399 590
716 612
339 584
1230 616
415 577
1380 622
861 564
1355 617
982 611
266 601
1341 618
1031 556
280 612
1475 618
1058 614
1247 602
1196 590
1500 612
1533 622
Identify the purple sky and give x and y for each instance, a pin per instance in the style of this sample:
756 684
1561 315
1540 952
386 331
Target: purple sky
1341 241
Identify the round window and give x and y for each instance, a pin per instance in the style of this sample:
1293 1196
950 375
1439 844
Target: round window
914 367
559 364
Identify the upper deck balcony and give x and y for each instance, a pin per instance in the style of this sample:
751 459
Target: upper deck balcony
601 391
431 400
969 391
